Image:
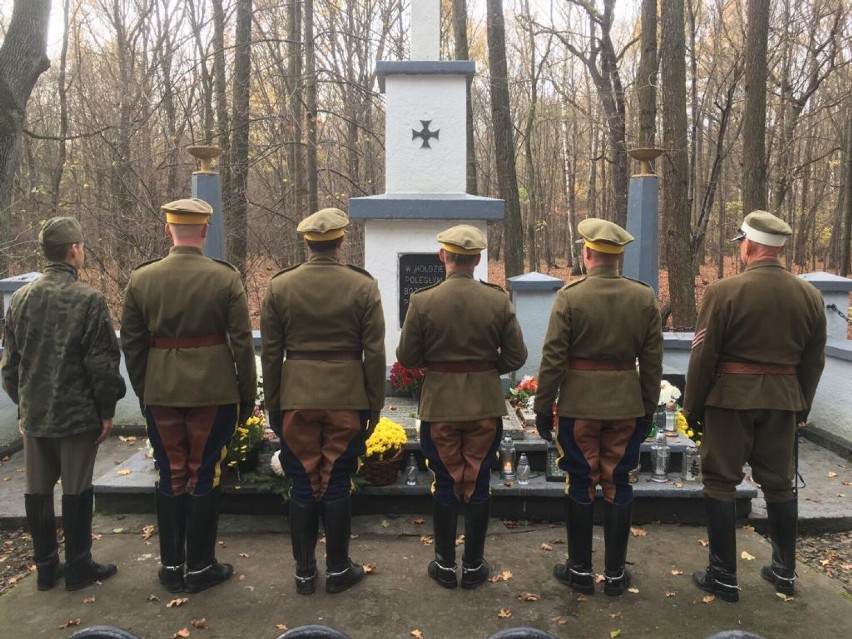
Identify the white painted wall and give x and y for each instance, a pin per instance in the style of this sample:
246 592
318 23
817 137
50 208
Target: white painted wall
384 240
441 168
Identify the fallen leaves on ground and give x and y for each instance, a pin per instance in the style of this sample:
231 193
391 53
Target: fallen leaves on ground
638 532
222 544
69 623
369 569
747 556
123 472
280 626
708 598
89 600
831 474
582 598
416 634
426 540
559 619
244 555
459 540
153 597
784 598
147 531
198 623
511 523
127 439
183 633
546 547
614 633
177 603
635 591
676 572
704 543
504 613
615 615
504 575
599 579
671 593
529 596
418 522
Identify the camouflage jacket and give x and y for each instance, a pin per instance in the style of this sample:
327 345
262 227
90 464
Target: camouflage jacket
61 356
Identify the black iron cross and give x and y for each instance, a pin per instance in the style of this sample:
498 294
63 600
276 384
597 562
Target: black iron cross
425 134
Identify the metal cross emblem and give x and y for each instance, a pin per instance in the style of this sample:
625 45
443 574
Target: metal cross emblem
425 134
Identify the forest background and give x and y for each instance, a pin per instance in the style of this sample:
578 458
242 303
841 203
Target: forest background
751 100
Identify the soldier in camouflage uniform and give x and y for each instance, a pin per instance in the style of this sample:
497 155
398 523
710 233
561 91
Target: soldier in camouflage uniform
466 334
187 341
60 366
323 332
600 328
757 357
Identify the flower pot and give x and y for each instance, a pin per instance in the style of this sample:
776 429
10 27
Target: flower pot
382 473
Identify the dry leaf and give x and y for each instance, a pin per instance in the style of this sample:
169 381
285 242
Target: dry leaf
841 494
529 596
118 531
676 572
177 603
847 483
614 633
746 556
244 555
507 484
183 633
599 579
546 547
831 474
221 544
671 593
418 522
846 566
153 597
708 598
614 615
784 597
89 600
459 540
69 623
147 531
416 634
505 575
127 439
748 527
504 613
426 540
678 484
559 620
123 472
638 532
582 598
198 623
704 543
97 537
280 626
824 562
369 569
635 591
241 578
511 523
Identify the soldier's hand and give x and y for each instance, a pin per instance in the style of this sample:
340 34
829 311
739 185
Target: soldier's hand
544 426
106 429
372 420
276 423
246 409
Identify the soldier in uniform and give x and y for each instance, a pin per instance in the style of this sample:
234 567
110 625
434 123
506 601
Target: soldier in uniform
60 366
188 346
466 335
323 333
600 327
757 356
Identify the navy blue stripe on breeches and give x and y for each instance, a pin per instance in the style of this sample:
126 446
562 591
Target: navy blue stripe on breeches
461 456
599 452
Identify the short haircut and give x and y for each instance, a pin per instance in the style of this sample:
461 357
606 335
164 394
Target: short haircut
461 260
325 246
56 252
186 231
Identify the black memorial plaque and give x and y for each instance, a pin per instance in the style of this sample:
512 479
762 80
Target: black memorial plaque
416 271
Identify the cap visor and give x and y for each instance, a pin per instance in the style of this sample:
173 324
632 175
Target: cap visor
739 236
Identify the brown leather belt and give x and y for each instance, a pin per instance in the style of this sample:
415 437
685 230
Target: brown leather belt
461 367
199 341
600 365
316 356
753 368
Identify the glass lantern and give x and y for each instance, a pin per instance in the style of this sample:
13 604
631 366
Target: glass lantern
691 470
671 422
660 458
507 458
552 470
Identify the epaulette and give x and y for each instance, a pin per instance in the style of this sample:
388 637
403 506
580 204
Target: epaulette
284 270
637 281
574 283
360 270
492 285
426 288
228 264
138 266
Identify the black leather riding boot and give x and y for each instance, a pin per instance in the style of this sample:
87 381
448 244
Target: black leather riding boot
202 569
304 530
443 568
783 521
341 573
171 519
577 571
617 519
42 522
475 569
80 570
720 578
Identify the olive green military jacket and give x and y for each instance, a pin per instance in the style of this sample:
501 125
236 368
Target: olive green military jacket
461 320
763 315
609 318
61 358
323 305
186 294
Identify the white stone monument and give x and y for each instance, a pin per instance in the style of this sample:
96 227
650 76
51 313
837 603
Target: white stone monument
425 169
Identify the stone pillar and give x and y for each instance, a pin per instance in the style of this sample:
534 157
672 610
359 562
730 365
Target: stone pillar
533 295
835 293
641 257
425 29
206 185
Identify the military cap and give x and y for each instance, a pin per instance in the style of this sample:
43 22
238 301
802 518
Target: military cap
764 228
603 236
463 239
324 225
60 230
190 210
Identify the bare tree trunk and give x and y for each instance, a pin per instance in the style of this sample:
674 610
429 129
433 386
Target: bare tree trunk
62 89
754 113
846 237
675 176
646 82
311 107
296 148
463 53
221 89
236 205
504 139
